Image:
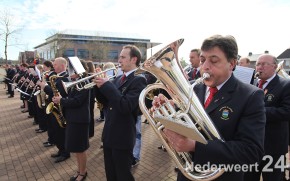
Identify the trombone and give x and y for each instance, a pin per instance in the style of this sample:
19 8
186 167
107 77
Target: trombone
79 87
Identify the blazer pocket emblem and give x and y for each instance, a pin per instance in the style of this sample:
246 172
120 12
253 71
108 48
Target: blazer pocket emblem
225 112
269 97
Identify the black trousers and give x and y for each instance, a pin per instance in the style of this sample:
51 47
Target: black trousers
118 164
275 174
92 120
58 137
10 89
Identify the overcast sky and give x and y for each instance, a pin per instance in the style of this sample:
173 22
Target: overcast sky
257 25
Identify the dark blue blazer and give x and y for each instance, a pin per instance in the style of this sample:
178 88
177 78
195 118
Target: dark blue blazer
277 103
190 75
121 107
238 112
76 106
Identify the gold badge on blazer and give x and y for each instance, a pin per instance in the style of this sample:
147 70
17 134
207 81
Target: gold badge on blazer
225 111
269 97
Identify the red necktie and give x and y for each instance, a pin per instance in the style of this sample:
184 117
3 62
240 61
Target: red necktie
212 92
261 83
194 73
123 79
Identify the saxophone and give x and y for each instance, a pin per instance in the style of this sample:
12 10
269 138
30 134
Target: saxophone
55 109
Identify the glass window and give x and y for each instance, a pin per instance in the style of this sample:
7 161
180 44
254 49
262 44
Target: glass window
113 54
69 53
83 53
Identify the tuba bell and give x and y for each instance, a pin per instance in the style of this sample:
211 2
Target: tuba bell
280 70
164 65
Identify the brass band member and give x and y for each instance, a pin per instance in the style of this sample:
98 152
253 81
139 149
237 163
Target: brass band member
58 135
77 114
120 101
91 70
241 122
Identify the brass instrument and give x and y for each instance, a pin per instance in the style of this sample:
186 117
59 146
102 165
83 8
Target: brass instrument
164 65
257 74
55 109
40 94
281 72
77 83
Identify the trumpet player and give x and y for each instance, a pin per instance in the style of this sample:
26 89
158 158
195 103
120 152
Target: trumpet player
235 108
120 101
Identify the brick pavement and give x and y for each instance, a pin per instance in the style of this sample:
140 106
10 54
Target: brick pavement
23 157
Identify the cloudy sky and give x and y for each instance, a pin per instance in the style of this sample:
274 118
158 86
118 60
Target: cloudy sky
257 25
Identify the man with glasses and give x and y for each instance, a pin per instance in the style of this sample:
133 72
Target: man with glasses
277 104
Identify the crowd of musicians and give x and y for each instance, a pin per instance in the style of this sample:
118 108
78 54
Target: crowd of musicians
252 119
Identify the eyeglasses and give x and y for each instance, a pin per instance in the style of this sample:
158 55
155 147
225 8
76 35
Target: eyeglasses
264 64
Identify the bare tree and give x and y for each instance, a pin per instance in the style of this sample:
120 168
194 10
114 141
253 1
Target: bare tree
7 30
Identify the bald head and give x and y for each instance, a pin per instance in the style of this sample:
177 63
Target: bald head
59 65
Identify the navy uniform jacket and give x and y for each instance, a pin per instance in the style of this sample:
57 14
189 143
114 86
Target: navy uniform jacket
197 75
121 107
238 112
77 106
277 103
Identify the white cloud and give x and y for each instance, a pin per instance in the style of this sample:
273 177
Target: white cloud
258 25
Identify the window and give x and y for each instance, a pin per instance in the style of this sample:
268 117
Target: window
113 54
82 53
69 53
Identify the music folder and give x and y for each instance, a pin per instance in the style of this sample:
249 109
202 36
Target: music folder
178 126
75 65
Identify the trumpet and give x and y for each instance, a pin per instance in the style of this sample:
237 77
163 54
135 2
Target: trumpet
79 87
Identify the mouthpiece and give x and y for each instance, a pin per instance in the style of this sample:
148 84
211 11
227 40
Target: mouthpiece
257 75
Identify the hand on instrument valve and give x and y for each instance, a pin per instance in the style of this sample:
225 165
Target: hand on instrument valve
177 141
41 84
56 99
100 81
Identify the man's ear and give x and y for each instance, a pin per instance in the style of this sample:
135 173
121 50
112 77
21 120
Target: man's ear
233 64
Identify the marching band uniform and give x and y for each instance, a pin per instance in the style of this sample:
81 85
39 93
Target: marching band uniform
120 101
277 104
241 122
58 135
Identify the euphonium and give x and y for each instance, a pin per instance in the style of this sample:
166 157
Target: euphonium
165 67
55 109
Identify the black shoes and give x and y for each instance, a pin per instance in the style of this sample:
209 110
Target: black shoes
55 155
24 111
48 144
162 148
135 162
30 116
73 178
40 131
10 96
100 120
60 159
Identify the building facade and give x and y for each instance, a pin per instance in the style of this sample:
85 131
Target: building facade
90 45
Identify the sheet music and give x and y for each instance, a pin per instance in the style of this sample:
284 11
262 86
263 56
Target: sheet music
244 74
76 64
38 72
